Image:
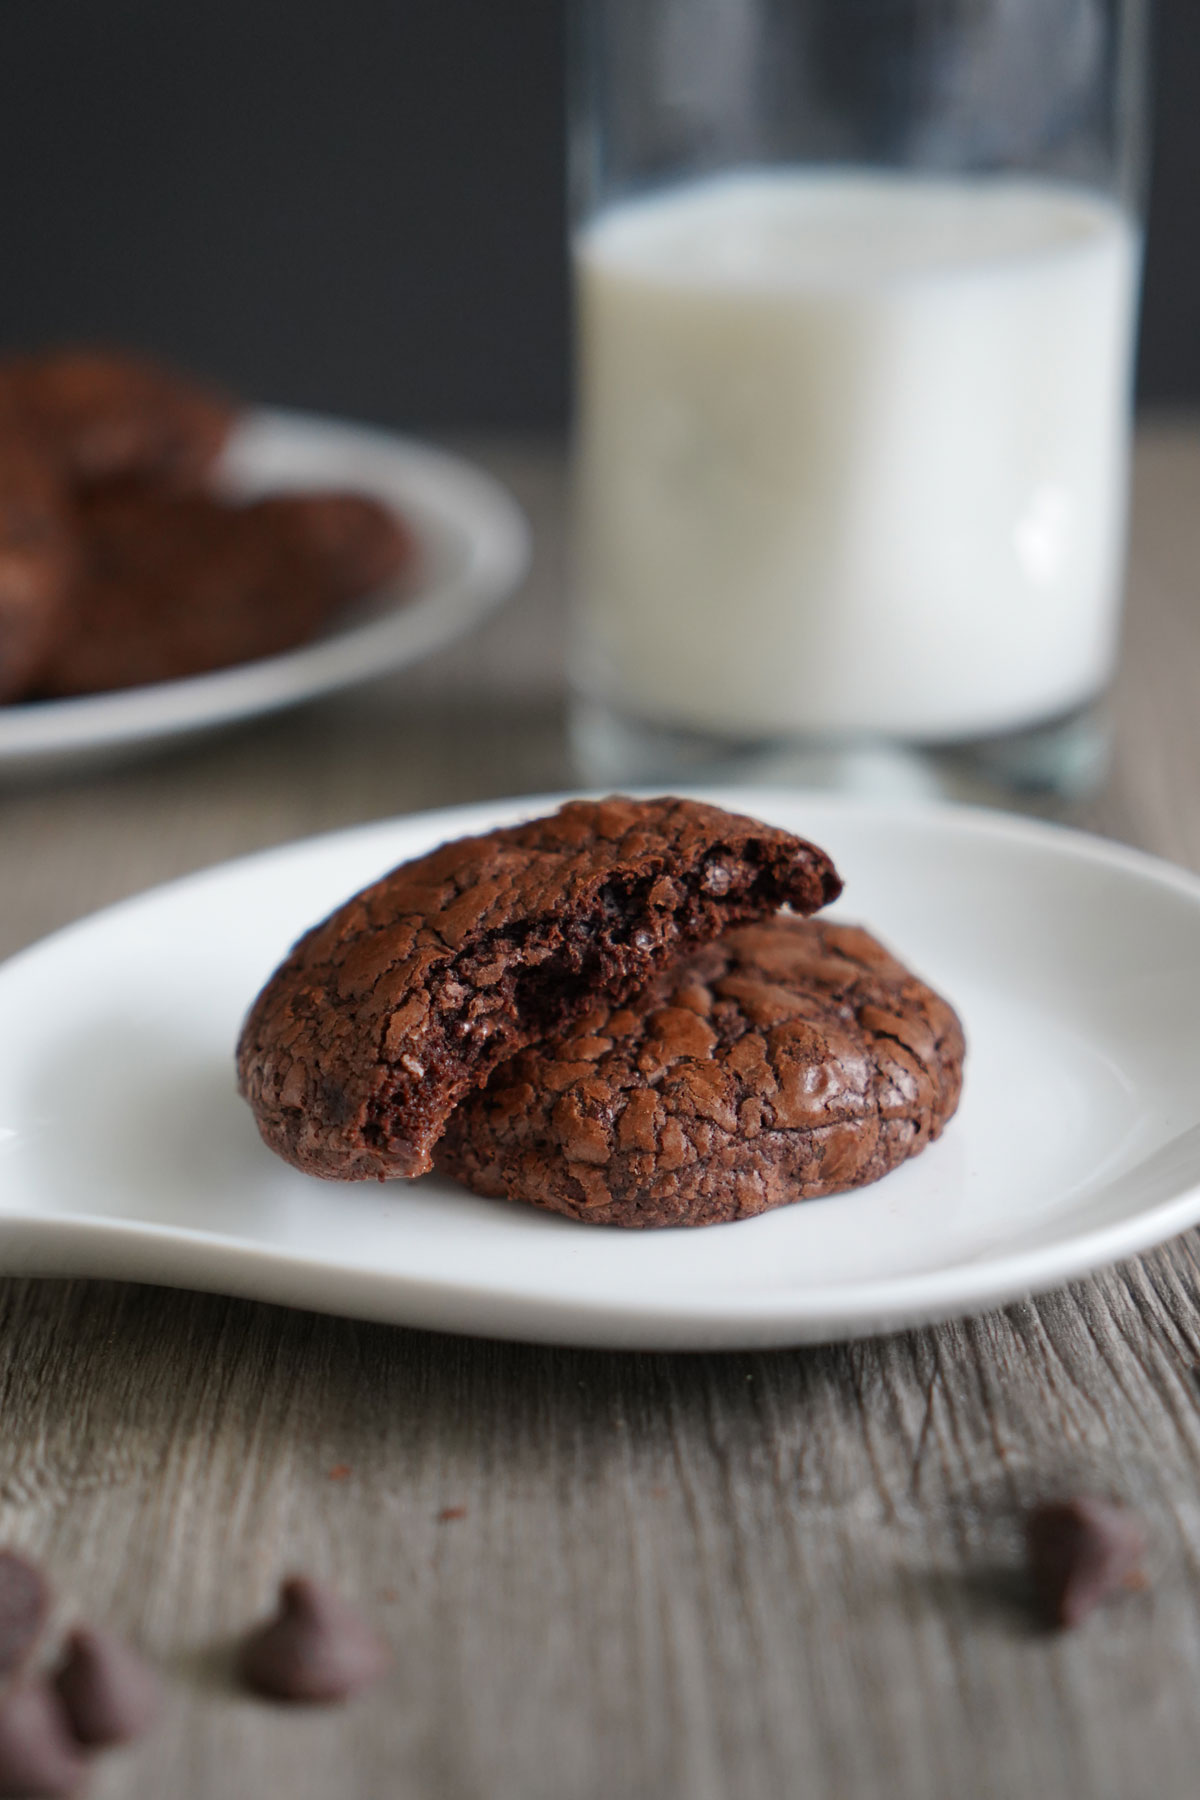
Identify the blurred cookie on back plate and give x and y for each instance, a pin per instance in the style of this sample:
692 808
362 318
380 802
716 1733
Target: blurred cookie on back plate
37 562
105 415
172 585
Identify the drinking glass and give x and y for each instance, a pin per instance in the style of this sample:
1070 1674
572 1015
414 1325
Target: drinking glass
856 287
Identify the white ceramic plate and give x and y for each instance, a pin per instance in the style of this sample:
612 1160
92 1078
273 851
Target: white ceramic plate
125 1151
473 549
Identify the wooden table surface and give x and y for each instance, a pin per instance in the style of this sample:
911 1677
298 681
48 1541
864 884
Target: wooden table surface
712 1577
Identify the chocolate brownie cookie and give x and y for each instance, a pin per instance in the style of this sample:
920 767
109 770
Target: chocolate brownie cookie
360 544
103 416
177 584
37 563
383 1017
788 1060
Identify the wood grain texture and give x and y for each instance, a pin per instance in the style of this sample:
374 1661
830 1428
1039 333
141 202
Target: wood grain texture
675 1578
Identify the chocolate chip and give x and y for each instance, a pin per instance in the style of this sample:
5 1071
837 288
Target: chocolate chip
38 1755
24 1606
317 1648
1081 1551
110 1695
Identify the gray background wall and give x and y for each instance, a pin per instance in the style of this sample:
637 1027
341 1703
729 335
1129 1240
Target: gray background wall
358 206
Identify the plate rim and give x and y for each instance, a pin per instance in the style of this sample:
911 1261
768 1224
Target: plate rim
500 541
744 1320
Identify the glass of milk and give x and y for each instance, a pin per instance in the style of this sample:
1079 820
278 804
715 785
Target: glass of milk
856 287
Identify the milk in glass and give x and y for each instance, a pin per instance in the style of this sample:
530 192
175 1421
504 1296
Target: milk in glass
851 452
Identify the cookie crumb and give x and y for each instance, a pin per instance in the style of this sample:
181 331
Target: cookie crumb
1081 1552
316 1649
24 1609
38 1752
111 1696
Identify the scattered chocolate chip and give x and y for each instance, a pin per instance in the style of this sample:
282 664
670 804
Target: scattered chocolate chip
110 1695
1080 1552
317 1648
38 1754
451 1512
24 1607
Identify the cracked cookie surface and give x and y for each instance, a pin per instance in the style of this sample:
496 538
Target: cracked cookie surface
791 1059
383 1017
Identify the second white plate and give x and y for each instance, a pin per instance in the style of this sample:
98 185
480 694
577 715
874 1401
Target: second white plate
125 1151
